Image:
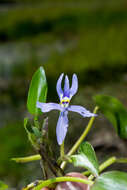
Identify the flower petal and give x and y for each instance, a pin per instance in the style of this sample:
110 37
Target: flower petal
81 110
74 86
46 107
58 86
61 128
66 87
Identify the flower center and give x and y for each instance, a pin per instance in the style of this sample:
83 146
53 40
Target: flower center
65 102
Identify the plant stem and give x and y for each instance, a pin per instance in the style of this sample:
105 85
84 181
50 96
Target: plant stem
79 141
62 150
33 184
27 159
121 160
62 179
44 171
107 163
56 170
103 166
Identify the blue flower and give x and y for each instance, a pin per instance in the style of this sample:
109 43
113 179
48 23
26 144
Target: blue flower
65 96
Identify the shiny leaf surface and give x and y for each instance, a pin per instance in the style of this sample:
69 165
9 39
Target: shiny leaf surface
86 158
114 180
37 91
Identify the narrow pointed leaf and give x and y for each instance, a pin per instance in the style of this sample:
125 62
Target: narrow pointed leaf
37 91
114 111
114 180
86 158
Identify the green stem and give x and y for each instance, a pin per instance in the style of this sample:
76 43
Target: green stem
86 173
62 150
121 160
103 166
27 159
79 141
107 163
62 179
44 171
32 185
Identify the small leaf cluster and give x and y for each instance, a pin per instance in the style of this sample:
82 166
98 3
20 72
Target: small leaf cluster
86 158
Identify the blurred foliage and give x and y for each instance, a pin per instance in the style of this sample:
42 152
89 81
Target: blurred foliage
96 35
56 1
13 142
114 110
3 186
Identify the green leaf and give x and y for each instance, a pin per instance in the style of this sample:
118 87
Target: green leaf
27 125
3 186
114 111
37 132
114 180
31 134
37 91
86 158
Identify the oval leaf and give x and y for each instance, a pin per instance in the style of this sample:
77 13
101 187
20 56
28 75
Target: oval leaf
37 91
86 158
114 180
114 111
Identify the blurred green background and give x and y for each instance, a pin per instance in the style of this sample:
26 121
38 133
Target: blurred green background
85 37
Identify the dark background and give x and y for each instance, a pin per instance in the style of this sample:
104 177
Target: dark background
88 38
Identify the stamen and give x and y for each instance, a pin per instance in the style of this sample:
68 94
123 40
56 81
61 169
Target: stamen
65 101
